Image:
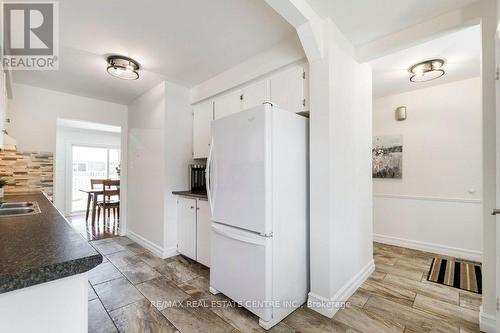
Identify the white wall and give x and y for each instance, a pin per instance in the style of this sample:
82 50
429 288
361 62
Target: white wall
350 151
283 54
160 150
146 165
436 206
482 12
65 138
340 166
33 112
178 155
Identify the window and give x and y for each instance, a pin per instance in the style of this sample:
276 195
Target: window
91 163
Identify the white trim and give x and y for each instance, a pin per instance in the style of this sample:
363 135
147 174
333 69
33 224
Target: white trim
424 198
430 247
122 230
158 250
329 306
169 252
487 322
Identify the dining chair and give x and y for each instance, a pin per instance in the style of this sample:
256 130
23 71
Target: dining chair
94 184
111 200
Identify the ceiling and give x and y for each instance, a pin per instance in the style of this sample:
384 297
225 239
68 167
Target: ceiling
185 42
190 41
461 50
363 21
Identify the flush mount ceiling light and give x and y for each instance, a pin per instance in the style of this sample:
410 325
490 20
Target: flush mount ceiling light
123 67
426 70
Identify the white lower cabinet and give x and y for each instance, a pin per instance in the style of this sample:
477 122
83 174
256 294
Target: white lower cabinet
203 232
186 227
193 229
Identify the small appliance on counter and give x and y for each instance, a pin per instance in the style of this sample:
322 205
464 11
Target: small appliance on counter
197 181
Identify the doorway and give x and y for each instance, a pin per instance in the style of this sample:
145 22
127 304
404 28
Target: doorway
91 162
87 151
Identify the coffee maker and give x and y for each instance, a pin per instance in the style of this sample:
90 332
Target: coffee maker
197 180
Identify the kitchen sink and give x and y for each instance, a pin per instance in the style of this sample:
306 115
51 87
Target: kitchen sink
16 211
16 205
19 209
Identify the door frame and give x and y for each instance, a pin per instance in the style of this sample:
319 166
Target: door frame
497 217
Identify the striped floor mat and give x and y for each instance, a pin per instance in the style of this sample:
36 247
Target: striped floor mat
456 273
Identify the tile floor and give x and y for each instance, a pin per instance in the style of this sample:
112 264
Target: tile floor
135 291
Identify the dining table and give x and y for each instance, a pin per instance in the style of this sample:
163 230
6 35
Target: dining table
92 196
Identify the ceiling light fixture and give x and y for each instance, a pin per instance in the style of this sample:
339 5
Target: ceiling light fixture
427 70
123 67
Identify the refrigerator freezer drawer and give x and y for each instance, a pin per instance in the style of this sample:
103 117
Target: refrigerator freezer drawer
241 268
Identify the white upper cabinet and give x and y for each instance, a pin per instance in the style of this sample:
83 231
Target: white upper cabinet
203 114
255 94
228 104
287 89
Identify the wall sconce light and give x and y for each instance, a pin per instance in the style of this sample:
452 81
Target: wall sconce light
401 113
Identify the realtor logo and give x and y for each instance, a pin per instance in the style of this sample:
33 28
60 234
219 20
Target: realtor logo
30 35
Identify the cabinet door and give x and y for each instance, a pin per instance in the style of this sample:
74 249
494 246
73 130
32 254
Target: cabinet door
255 94
227 104
203 114
287 89
186 227
203 233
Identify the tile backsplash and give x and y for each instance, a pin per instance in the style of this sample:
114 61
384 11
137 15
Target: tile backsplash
27 171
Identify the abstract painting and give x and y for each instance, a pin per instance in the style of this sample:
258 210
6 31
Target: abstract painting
387 154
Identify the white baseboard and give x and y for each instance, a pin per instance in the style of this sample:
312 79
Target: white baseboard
322 305
487 322
430 247
329 306
169 252
158 250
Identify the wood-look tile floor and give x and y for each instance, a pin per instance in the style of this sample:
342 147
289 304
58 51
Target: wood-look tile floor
96 231
135 291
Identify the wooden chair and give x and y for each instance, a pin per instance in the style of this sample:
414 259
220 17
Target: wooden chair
94 184
111 200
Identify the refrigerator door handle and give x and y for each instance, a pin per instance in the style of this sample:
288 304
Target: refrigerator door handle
208 176
258 240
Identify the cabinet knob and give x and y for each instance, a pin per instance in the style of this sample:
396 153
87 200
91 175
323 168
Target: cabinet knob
192 207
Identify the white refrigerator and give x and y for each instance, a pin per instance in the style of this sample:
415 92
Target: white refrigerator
257 176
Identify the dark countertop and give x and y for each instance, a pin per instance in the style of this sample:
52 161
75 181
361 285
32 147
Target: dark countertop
39 248
194 194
